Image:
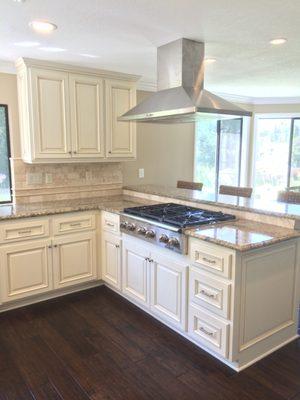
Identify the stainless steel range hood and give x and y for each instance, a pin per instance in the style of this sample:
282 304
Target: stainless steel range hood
181 96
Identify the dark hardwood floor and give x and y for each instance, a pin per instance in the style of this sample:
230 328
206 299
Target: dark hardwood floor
96 345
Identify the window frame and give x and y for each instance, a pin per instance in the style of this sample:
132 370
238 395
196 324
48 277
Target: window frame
218 142
257 117
5 106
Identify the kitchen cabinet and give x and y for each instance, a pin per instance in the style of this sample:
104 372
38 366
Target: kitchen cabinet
135 267
169 289
74 259
70 114
87 116
120 135
111 260
26 269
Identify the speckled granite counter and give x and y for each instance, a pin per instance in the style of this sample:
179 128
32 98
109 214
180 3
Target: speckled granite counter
240 235
111 203
243 235
268 208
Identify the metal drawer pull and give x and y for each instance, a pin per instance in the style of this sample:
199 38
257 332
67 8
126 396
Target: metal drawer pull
208 260
76 224
210 295
117 246
23 232
206 332
110 224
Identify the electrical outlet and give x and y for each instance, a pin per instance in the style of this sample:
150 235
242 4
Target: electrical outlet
48 179
34 178
141 173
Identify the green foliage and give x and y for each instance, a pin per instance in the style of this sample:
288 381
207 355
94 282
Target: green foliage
4 161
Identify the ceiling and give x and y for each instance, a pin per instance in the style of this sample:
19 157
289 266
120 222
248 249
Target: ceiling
124 34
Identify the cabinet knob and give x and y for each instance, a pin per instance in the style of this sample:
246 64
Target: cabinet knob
109 152
70 152
75 152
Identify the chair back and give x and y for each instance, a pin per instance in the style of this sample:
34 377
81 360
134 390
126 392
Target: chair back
236 191
189 185
288 196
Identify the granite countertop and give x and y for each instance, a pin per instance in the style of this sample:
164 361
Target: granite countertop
239 235
273 208
243 235
114 204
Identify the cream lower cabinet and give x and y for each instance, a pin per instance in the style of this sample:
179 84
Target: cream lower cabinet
111 259
135 267
169 289
26 269
74 259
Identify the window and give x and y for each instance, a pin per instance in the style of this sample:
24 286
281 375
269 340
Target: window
218 149
5 182
276 156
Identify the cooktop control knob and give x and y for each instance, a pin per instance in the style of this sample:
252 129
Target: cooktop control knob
174 242
141 230
123 224
164 238
130 227
150 234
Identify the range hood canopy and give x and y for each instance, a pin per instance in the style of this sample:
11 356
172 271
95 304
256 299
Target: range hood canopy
181 96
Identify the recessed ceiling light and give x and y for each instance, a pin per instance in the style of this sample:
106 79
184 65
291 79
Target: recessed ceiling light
88 55
209 60
52 49
278 41
27 44
43 26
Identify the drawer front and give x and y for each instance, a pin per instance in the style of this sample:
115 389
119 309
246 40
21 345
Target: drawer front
211 258
208 330
110 222
24 229
73 223
210 293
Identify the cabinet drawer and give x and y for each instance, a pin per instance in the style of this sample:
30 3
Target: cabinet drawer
110 222
210 293
208 330
73 223
24 229
211 258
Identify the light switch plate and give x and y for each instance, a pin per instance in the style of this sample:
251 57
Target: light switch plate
141 173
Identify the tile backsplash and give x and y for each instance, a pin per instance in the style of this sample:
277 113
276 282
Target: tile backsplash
65 181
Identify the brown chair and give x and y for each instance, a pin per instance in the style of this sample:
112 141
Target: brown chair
189 185
288 196
236 191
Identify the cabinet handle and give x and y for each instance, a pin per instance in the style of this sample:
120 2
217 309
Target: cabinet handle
109 224
208 260
55 245
70 152
206 332
75 224
147 259
210 295
50 247
23 232
117 246
150 260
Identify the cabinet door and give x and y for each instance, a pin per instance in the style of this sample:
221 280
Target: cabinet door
50 111
26 269
74 259
111 260
121 135
135 266
87 116
168 289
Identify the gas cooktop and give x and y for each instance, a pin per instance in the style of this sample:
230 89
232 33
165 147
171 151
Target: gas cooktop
178 215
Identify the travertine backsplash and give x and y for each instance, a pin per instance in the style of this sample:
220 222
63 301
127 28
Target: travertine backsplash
69 181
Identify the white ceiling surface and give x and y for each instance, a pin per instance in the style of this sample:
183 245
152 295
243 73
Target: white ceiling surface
124 35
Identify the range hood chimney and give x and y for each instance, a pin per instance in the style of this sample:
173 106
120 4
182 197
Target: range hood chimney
181 96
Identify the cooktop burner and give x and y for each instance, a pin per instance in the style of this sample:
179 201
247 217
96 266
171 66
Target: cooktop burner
178 215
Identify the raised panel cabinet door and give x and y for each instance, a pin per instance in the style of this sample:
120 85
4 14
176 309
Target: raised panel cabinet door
120 135
26 269
87 116
169 289
74 259
135 266
111 260
50 111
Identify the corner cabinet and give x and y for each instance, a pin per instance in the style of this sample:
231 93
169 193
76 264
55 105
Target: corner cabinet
71 114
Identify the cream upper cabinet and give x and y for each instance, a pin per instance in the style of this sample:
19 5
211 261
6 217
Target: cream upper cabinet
50 114
87 116
69 114
120 135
